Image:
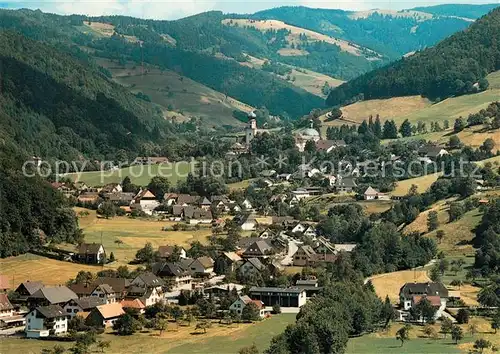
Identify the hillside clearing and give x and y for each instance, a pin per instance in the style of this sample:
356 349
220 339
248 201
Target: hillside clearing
386 108
134 233
178 95
393 13
139 174
309 80
423 183
33 267
295 32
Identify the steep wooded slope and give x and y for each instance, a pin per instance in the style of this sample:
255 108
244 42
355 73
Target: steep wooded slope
456 66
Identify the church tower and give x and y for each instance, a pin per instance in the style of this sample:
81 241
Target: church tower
251 128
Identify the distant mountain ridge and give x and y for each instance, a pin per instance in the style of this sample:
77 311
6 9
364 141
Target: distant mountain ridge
458 65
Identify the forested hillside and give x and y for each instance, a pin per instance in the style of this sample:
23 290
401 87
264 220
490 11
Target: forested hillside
462 10
391 33
31 211
56 107
456 66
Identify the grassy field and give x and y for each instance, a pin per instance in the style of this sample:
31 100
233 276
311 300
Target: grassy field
387 108
218 339
416 108
33 267
385 342
182 97
121 235
140 174
309 80
423 183
134 233
295 32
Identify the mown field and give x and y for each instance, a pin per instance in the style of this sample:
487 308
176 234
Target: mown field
123 236
218 339
385 342
140 174
423 183
416 108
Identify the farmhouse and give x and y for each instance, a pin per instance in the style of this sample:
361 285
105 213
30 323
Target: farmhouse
412 293
328 146
345 184
195 215
242 302
146 200
251 266
226 262
84 304
432 151
223 289
202 266
372 194
290 297
135 304
27 289
305 256
105 292
172 272
105 315
51 295
46 320
150 160
6 308
259 249
91 253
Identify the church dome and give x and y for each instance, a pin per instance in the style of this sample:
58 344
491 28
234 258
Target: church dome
310 132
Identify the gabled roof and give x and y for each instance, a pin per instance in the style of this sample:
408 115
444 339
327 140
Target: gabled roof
205 201
89 302
145 194
111 310
308 250
151 280
177 210
89 248
134 304
434 300
256 263
166 251
371 192
32 286
105 288
430 289
51 311
55 294
82 289
168 269
185 263
325 145
232 256
245 299
259 247
5 303
187 199
206 262
118 284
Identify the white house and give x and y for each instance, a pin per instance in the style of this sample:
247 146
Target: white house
412 293
84 304
147 201
246 205
310 231
46 320
105 292
299 228
248 222
243 301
